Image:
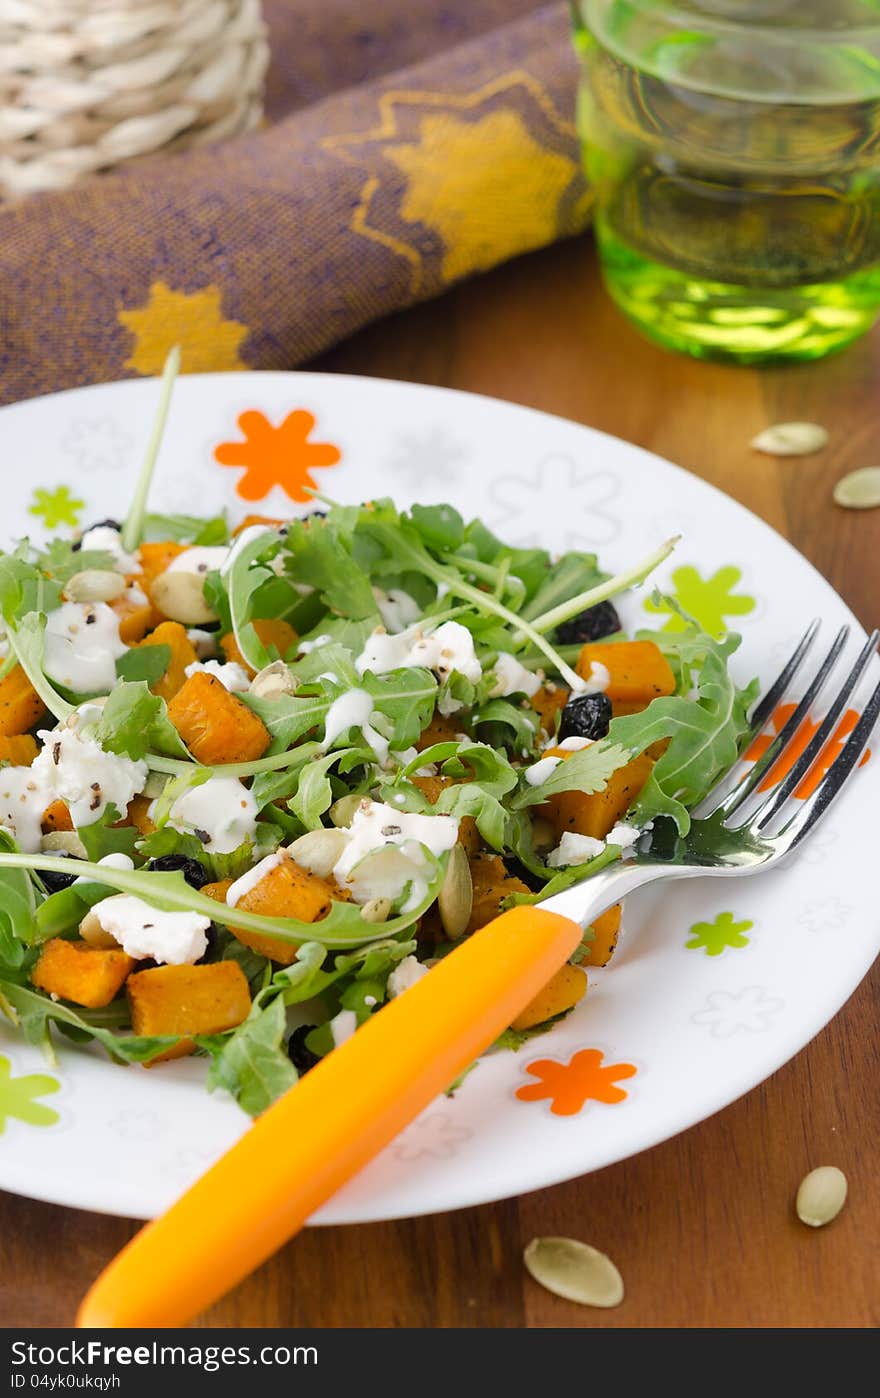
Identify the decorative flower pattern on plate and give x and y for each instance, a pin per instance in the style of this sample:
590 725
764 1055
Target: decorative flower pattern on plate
569 1086
520 502
436 1136
57 508
710 601
825 915
282 456
429 455
97 444
18 1097
727 1012
136 1126
722 934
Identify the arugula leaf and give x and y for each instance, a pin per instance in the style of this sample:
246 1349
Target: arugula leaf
186 529
246 576
314 794
440 526
252 1064
147 663
36 1013
587 770
27 641
167 840
573 574
509 724
17 904
318 552
134 721
705 734
59 913
406 697
24 587
61 561
100 838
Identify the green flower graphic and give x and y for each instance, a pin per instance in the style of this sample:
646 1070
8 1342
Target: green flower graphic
17 1097
56 507
708 600
715 937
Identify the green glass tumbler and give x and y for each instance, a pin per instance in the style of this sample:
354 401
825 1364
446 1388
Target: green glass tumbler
734 150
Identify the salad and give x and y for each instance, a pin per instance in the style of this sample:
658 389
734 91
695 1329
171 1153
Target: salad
255 781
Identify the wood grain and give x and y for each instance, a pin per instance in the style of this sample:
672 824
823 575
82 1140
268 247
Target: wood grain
702 1227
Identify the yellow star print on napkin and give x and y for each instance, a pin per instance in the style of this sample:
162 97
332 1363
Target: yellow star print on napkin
194 320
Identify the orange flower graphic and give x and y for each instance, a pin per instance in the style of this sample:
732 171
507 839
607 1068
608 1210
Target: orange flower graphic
781 768
570 1085
277 455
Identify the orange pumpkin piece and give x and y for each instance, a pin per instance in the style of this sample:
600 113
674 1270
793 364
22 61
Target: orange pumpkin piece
218 890
215 725
20 704
606 930
89 976
183 653
137 816
562 992
468 834
440 730
20 749
549 701
492 884
135 618
56 817
250 521
595 815
187 1000
639 672
271 631
155 558
285 890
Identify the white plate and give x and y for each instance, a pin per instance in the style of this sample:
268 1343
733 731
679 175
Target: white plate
697 1029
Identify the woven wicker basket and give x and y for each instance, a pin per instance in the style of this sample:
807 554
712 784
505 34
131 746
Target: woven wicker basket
87 84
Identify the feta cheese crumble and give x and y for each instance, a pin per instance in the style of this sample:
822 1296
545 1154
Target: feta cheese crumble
176 939
23 798
397 609
82 646
513 678
448 650
231 675
105 539
537 774
75 769
623 835
221 813
404 975
574 849
599 679
342 1026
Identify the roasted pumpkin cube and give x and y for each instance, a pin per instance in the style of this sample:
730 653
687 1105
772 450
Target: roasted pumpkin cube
468 834
85 975
638 670
137 816
549 701
597 814
272 631
187 1000
20 705
215 725
441 729
56 817
218 890
606 930
135 618
155 558
19 749
285 890
562 992
183 653
492 884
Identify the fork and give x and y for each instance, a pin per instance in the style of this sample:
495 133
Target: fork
357 1099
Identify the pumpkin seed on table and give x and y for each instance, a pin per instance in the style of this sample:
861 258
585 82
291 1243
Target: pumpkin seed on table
575 1271
859 490
791 439
821 1196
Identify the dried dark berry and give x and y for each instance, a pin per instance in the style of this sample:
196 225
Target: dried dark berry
591 625
55 882
585 716
98 524
301 1057
195 873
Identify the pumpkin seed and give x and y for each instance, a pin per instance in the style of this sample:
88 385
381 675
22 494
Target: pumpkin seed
342 811
821 1196
94 585
860 490
543 834
154 785
318 850
456 897
377 910
273 681
791 439
181 597
92 932
64 842
575 1271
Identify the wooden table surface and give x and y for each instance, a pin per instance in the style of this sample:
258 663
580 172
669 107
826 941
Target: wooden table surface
702 1227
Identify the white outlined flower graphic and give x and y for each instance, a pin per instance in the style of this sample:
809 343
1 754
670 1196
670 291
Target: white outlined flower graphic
97 444
428 455
437 1137
519 502
136 1126
825 915
727 1012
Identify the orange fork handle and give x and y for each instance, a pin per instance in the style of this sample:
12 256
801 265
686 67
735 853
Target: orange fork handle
329 1125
